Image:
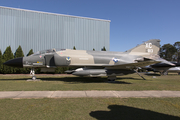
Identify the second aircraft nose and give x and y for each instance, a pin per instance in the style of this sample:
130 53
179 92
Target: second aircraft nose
17 62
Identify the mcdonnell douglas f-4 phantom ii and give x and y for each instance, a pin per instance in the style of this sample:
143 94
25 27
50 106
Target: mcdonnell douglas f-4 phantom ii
92 63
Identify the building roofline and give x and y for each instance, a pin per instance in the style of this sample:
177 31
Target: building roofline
55 14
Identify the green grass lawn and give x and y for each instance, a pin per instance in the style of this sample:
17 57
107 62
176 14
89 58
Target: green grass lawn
52 83
90 109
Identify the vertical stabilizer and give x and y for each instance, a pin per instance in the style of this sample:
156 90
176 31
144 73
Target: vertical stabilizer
147 49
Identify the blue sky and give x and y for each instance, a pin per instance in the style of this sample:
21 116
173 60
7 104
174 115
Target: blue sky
132 21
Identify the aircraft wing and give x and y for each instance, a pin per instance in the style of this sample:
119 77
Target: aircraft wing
119 66
131 65
110 70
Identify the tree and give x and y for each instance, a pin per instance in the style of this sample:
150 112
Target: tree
1 62
104 49
30 52
19 53
167 52
93 49
177 45
74 48
7 56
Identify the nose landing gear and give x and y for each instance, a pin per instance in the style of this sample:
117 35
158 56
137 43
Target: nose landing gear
32 73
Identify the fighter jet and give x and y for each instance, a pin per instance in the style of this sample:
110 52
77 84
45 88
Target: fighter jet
92 63
164 68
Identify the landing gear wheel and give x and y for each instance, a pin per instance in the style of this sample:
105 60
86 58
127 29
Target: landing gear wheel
111 78
33 77
165 73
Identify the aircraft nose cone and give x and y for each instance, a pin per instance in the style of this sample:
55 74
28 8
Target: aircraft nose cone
17 62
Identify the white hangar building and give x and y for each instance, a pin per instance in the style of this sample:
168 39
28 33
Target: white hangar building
42 30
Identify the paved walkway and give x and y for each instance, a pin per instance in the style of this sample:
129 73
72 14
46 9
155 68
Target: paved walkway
87 94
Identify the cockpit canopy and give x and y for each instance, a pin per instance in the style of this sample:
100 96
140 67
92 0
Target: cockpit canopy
47 51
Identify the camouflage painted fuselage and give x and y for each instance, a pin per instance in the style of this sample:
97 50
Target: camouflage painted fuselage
94 63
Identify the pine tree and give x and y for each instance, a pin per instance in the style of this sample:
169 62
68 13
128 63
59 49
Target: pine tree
7 56
30 52
1 62
19 53
74 48
104 49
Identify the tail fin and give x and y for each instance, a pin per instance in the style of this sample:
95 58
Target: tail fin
147 49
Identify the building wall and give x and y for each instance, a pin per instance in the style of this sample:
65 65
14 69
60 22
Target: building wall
41 30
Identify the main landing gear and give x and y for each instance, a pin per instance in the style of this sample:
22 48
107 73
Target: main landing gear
111 78
139 74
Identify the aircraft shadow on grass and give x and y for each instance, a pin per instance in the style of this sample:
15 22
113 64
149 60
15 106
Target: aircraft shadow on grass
83 80
76 80
130 78
121 112
152 74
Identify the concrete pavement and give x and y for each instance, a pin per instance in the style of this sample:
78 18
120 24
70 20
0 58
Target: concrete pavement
87 94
